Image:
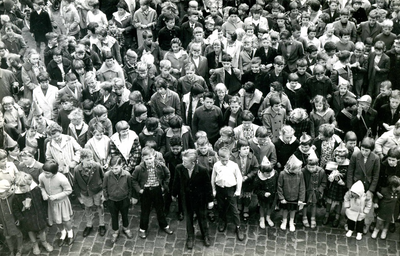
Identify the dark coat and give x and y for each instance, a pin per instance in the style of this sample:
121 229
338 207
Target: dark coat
34 218
375 77
187 33
140 176
195 190
40 25
55 72
94 184
367 172
266 58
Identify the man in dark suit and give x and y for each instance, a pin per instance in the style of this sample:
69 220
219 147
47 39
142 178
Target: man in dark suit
187 28
192 183
57 68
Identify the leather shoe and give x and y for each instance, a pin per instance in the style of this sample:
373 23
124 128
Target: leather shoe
190 243
168 231
207 241
326 220
392 227
70 240
87 231
211 217
239 233
335 223
180 216
221 226
142 234
102 230
61 242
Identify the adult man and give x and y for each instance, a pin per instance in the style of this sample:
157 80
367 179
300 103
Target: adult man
192 184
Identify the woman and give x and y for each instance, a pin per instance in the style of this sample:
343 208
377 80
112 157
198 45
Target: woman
177 56
29 72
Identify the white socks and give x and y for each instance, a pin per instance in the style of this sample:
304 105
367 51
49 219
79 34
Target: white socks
63 234
70 233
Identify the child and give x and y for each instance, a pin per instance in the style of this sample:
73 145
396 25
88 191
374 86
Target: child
8 170
296 93
326 142
328 36
226 182
77 129
377 71
168 114
152 131
227 139
29 209
167 33
261 145
389 114
386 36
357 204
117 189
387 207
176 128
68 103
99 144
247 129
173 158
285 146
56 189
274 117
29 165
150 180
164 96
277 74
265 186
321 114
248 166
14 117
100 116
7 220
137 121
341 71
350 140
358 65
305 149
301 72
336 188
165 73
291 191
40 23
88 180
207 157
339 96
385 91
315 183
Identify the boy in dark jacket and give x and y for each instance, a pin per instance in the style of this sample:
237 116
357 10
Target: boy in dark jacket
150 181
40 23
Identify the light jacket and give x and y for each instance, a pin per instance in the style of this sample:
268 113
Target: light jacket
357 207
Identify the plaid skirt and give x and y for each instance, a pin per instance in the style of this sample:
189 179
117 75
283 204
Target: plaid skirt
336 192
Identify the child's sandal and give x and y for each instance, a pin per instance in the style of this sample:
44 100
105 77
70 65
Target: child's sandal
313 223
305 222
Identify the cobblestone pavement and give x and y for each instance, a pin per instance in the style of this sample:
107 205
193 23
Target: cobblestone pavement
323 240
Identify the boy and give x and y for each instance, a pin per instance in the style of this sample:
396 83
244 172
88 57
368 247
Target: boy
276 74
344 116
227 75
29 164
389 114
164 97
137 121
255 74
295 92
261 146
386 36
303 75
173 158
167 33
149 46
40 23
188 27
185 83
67 105
88 180
384 95
226 182
165 68
50 46
150 180
345 43
152 132
208 118
101 116
290 49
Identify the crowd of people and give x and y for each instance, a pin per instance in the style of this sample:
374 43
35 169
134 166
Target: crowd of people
251 108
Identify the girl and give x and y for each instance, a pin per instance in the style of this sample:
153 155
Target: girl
274 117
305 149
315 183
29 209
99 144
29 165
388 206
117 187
337 185
56 189
357 204
77 129
7 220
321 114
248 166
247 129
291 191
177 56
265 185
326 142
298 119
